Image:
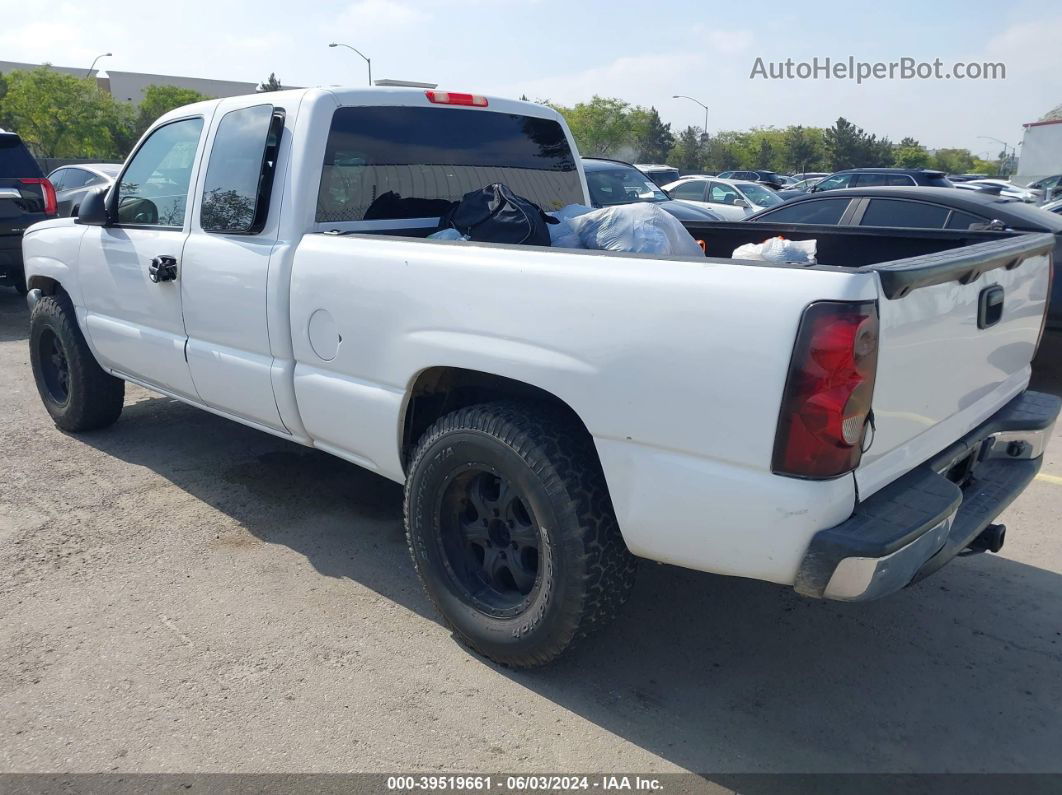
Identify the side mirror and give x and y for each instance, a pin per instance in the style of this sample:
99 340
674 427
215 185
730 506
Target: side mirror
741 203
93 209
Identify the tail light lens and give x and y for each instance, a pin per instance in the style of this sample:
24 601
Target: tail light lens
51 206
829 390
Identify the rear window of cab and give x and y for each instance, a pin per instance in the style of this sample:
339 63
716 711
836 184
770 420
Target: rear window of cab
393 162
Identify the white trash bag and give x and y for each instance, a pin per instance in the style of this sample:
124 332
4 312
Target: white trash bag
641 227
778 249
446 234
562 235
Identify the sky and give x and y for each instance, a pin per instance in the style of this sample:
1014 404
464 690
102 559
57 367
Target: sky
643 52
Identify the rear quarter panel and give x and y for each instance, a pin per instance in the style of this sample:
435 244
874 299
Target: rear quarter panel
675 366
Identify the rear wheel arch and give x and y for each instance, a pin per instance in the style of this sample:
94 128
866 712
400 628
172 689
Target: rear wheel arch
438 391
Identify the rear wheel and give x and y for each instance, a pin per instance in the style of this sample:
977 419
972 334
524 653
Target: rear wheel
512 531
75 390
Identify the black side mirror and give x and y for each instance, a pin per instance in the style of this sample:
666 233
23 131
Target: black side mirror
93 209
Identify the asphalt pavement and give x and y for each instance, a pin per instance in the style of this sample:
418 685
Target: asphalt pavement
181 593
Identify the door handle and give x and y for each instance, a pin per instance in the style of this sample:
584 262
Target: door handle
163 269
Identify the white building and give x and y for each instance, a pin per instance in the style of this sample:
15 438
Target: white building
1041 149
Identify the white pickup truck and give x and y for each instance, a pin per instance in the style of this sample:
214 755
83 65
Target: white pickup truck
843 428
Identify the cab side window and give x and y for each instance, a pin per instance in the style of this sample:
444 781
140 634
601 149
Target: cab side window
239 173
153 190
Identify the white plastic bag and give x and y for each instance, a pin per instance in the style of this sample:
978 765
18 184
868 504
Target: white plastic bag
641 227
562 235
446 234
778 249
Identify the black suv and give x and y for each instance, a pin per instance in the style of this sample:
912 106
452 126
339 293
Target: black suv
768 178
25 198
883 177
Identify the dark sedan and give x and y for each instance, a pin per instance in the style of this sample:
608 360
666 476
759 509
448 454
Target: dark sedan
613 182
73 183
924 208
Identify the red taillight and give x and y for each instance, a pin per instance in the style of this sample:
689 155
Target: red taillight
828 393
51 206
452 98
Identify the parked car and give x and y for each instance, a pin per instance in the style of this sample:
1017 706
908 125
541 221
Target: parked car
659 174
882 177
731 199
72 183
1049 187
613 182
553 413
768 178
965 177
1006 188
811 175
25 198
926 208
798 188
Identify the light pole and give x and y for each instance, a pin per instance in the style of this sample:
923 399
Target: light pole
691 99
1006 157
95 61
368 60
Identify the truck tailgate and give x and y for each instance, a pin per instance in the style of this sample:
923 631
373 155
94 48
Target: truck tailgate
958 331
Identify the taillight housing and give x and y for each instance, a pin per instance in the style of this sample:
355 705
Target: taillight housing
455 98
827 400
51 206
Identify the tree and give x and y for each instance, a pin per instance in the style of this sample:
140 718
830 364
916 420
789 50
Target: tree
876 152
159 99
687 154
953 161
601 126
764 153
910 154
655 138
803 149
272 84
844 145
60 115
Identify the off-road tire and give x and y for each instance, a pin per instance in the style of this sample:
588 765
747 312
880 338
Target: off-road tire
585 572
93 398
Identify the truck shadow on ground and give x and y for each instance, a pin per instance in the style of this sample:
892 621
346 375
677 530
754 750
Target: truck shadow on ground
958 673
14 316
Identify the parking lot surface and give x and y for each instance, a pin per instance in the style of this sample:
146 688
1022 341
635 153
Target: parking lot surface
181 593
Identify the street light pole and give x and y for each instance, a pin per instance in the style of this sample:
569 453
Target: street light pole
95 61
691 99
368 60
1006 157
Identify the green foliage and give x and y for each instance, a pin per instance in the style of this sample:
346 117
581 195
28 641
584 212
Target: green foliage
160 99
804 149
271 84
687 154
910 154
654 139
60 115
603 126
953 161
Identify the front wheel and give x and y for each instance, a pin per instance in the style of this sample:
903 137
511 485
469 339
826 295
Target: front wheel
512 531
78 394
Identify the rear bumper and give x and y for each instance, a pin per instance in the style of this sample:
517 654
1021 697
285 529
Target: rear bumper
918 523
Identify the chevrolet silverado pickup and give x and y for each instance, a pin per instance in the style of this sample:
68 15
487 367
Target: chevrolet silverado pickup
843 428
